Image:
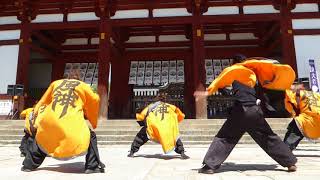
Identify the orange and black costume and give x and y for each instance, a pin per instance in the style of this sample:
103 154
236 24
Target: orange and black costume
304 106
160 124
246 114
59 128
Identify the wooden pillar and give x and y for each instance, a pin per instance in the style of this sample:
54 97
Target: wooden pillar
104 56
288 49
198 68
57 69
24 54
189 105
24 61
119 86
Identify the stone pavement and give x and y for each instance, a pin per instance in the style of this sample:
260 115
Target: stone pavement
245 162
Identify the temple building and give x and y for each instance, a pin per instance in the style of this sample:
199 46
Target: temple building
128 49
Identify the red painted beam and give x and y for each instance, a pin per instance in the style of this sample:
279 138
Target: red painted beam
230 52
306 31
154 55
45 40
42 51
74 57
305 15
80 47
152 21
275 28
240 18
160 44
239 3
188 43
6 27
9 42
232 42
65 25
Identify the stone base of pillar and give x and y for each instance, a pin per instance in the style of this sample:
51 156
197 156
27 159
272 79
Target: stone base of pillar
201 108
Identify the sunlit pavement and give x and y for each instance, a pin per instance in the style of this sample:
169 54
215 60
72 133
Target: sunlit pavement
245 162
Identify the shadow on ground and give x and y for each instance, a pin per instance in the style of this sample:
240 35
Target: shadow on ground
299 149
74 167
307 155
158 156
225 167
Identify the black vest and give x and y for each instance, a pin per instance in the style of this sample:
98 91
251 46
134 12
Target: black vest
243 94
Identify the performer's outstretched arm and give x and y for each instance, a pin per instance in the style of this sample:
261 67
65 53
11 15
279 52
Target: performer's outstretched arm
230 74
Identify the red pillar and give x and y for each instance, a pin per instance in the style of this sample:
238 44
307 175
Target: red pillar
189 107
288 50
24 60
198 68
57 69
24 54
119 90
104 56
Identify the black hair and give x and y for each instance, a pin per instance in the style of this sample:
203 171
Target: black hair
238 58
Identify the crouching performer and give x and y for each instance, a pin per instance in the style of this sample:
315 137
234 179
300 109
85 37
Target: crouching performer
25 114
60 130
304 106
246 116
160 123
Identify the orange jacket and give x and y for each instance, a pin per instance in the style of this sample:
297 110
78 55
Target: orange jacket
162 124
271 76
62 131
309 106
228 75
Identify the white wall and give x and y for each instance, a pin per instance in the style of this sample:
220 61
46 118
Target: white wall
82 16
9 20
259 9
48 18
307 47
306 23
311 7
39 75
9 34
173 12
8 66
222 10
125 14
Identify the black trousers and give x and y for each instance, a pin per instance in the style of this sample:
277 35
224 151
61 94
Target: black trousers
142 137
293 135
23 144
35 157
247 119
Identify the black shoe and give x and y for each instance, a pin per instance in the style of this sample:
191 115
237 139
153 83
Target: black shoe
96 170
24 169
206 170
131 154
184 156
292 168
22 155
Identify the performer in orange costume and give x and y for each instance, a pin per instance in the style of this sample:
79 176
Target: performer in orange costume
304 106
160 121
246 116
61 130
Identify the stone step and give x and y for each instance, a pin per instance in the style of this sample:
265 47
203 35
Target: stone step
134 132
131 137
137 128
123 131
242 141
204 127
133 122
